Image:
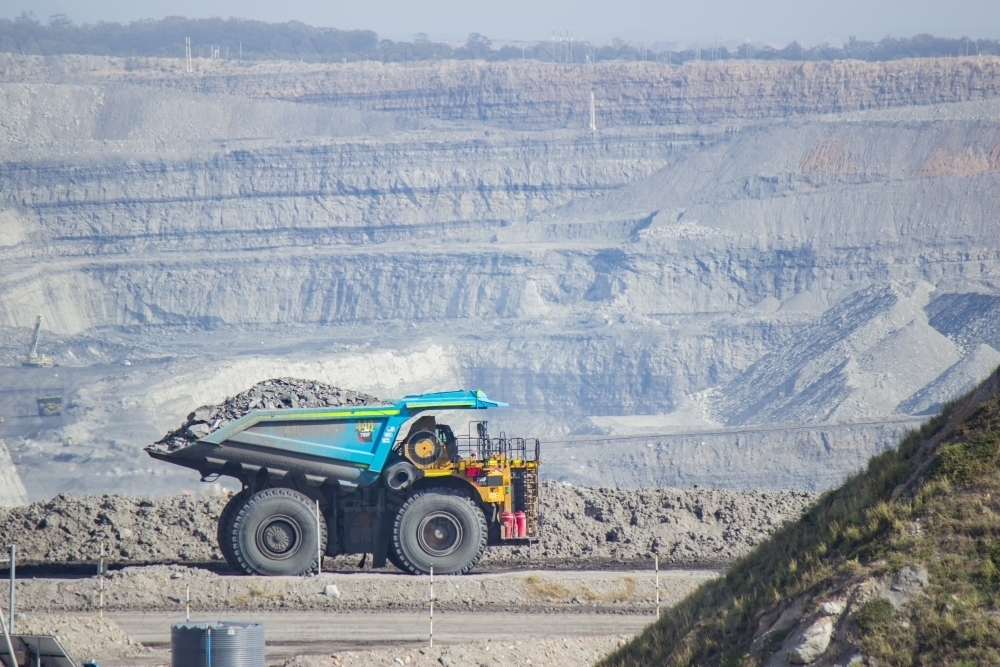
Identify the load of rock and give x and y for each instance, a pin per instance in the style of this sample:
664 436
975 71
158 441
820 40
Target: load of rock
276 393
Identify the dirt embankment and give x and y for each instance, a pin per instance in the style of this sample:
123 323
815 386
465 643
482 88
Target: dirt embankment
569 652
583 527
164 588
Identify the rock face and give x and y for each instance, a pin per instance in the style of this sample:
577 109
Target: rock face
690 255
542 95
12 491
856 363
811 642
906 583
959 378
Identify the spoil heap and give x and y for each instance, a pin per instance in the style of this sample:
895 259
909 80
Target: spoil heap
277 393
695 526
899 566
583 525
134 530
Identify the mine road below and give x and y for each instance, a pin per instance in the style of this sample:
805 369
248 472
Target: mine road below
325 632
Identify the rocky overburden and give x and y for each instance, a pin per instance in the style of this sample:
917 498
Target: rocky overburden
582 524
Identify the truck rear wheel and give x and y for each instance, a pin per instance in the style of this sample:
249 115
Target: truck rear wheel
274 534
442 528
224 531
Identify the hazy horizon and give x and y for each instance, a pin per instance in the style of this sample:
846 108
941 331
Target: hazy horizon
777 21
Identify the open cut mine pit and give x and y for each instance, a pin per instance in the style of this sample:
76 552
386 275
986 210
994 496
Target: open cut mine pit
713 306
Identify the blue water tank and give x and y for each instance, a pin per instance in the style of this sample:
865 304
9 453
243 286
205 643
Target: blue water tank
217 644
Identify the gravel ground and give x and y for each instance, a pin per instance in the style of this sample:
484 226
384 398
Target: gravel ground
584 527
163 588
570 652
83 636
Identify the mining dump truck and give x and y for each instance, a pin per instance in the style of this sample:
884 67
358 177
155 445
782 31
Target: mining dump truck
348 481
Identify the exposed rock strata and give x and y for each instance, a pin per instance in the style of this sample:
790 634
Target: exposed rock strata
537 95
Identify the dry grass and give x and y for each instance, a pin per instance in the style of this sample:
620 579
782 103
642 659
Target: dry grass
930 502
257 594
544 589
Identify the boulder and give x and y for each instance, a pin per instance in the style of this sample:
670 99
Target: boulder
810 643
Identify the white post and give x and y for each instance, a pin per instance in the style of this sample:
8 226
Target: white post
100 579
187 603
656 564
319 543
13 576
432 608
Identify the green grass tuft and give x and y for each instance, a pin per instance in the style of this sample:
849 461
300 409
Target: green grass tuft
874 615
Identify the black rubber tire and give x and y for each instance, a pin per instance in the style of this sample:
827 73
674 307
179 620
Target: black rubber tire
224 531
462 533
274 534
395 559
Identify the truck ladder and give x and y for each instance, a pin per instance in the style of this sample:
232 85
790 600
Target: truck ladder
531 502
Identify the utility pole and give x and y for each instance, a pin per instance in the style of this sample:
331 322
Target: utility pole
187 50
593 114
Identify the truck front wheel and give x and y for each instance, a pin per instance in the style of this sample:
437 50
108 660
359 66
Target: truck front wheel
442 528
224 531
274 534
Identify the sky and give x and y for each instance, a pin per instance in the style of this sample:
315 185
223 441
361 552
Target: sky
761 21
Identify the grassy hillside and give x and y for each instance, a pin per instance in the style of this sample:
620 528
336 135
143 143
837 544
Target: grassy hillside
899 566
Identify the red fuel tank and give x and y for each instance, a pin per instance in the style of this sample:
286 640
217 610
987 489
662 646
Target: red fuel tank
507 526
521 524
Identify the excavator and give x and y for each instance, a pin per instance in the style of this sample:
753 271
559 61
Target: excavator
34 359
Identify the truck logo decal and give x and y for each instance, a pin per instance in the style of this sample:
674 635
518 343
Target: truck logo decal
364 430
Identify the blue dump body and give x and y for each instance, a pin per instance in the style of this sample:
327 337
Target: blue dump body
347 445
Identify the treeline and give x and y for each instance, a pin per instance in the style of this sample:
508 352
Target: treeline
241 39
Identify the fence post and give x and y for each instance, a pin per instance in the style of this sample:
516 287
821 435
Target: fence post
187 603
100 579
319 543
432 608
13 564
656 564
